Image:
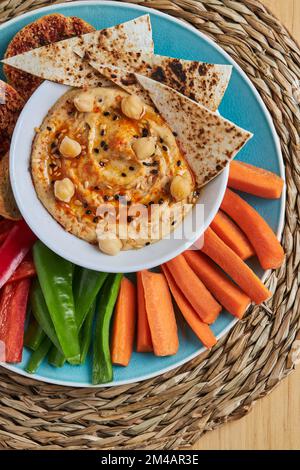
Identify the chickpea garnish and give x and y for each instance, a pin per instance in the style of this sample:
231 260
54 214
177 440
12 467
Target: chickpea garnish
144 147
110 246
133 107
64 190
69 148
180 187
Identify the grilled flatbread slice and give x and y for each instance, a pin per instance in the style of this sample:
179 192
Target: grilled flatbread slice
202 82
208 140
11 104
43 31
8 207
57 62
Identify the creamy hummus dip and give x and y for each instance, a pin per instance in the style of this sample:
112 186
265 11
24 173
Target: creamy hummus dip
101 150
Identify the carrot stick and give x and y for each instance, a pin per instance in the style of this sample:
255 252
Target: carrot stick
143 340
201 329
194 290
268 249
236 268
232 235
124 324
254 180
224 290
160 314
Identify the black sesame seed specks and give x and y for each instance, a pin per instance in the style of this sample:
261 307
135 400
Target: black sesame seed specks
124 175
102 132
102 164
178 163
154 172
165 148
95 219
145 132
131 168
105 198
96 150
106 113
88 212
129 219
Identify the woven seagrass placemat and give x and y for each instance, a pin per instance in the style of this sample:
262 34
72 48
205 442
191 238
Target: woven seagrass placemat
174 410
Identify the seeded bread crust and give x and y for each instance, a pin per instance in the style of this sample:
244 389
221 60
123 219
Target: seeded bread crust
11 104
45 30
8 207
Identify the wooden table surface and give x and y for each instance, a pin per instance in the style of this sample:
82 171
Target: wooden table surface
274 422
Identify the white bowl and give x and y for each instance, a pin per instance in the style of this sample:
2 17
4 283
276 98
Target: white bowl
67 245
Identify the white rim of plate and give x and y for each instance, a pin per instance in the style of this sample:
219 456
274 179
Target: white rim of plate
280 161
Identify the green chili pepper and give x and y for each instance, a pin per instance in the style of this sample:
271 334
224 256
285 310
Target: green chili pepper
102 366
38 356
41 312
55 275
55 357
86 286
86 333
34 335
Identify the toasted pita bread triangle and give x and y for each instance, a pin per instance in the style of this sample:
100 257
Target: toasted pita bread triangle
204 83
208 140
57 62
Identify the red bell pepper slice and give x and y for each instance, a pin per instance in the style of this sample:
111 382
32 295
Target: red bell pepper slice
13 307
14 249
25 269
3 236
6 225
5 228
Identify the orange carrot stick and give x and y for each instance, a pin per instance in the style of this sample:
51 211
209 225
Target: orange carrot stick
194 290
160 313
201 329
232 235
236 268
124 324
254 180
143 340
268 249
224 290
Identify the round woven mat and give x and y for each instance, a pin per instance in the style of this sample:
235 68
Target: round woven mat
174 410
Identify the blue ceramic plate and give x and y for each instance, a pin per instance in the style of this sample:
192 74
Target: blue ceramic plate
241 105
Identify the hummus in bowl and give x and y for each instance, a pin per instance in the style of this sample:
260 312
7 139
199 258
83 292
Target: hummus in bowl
75 248
109 169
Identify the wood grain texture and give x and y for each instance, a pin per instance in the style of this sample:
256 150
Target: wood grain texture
274 422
